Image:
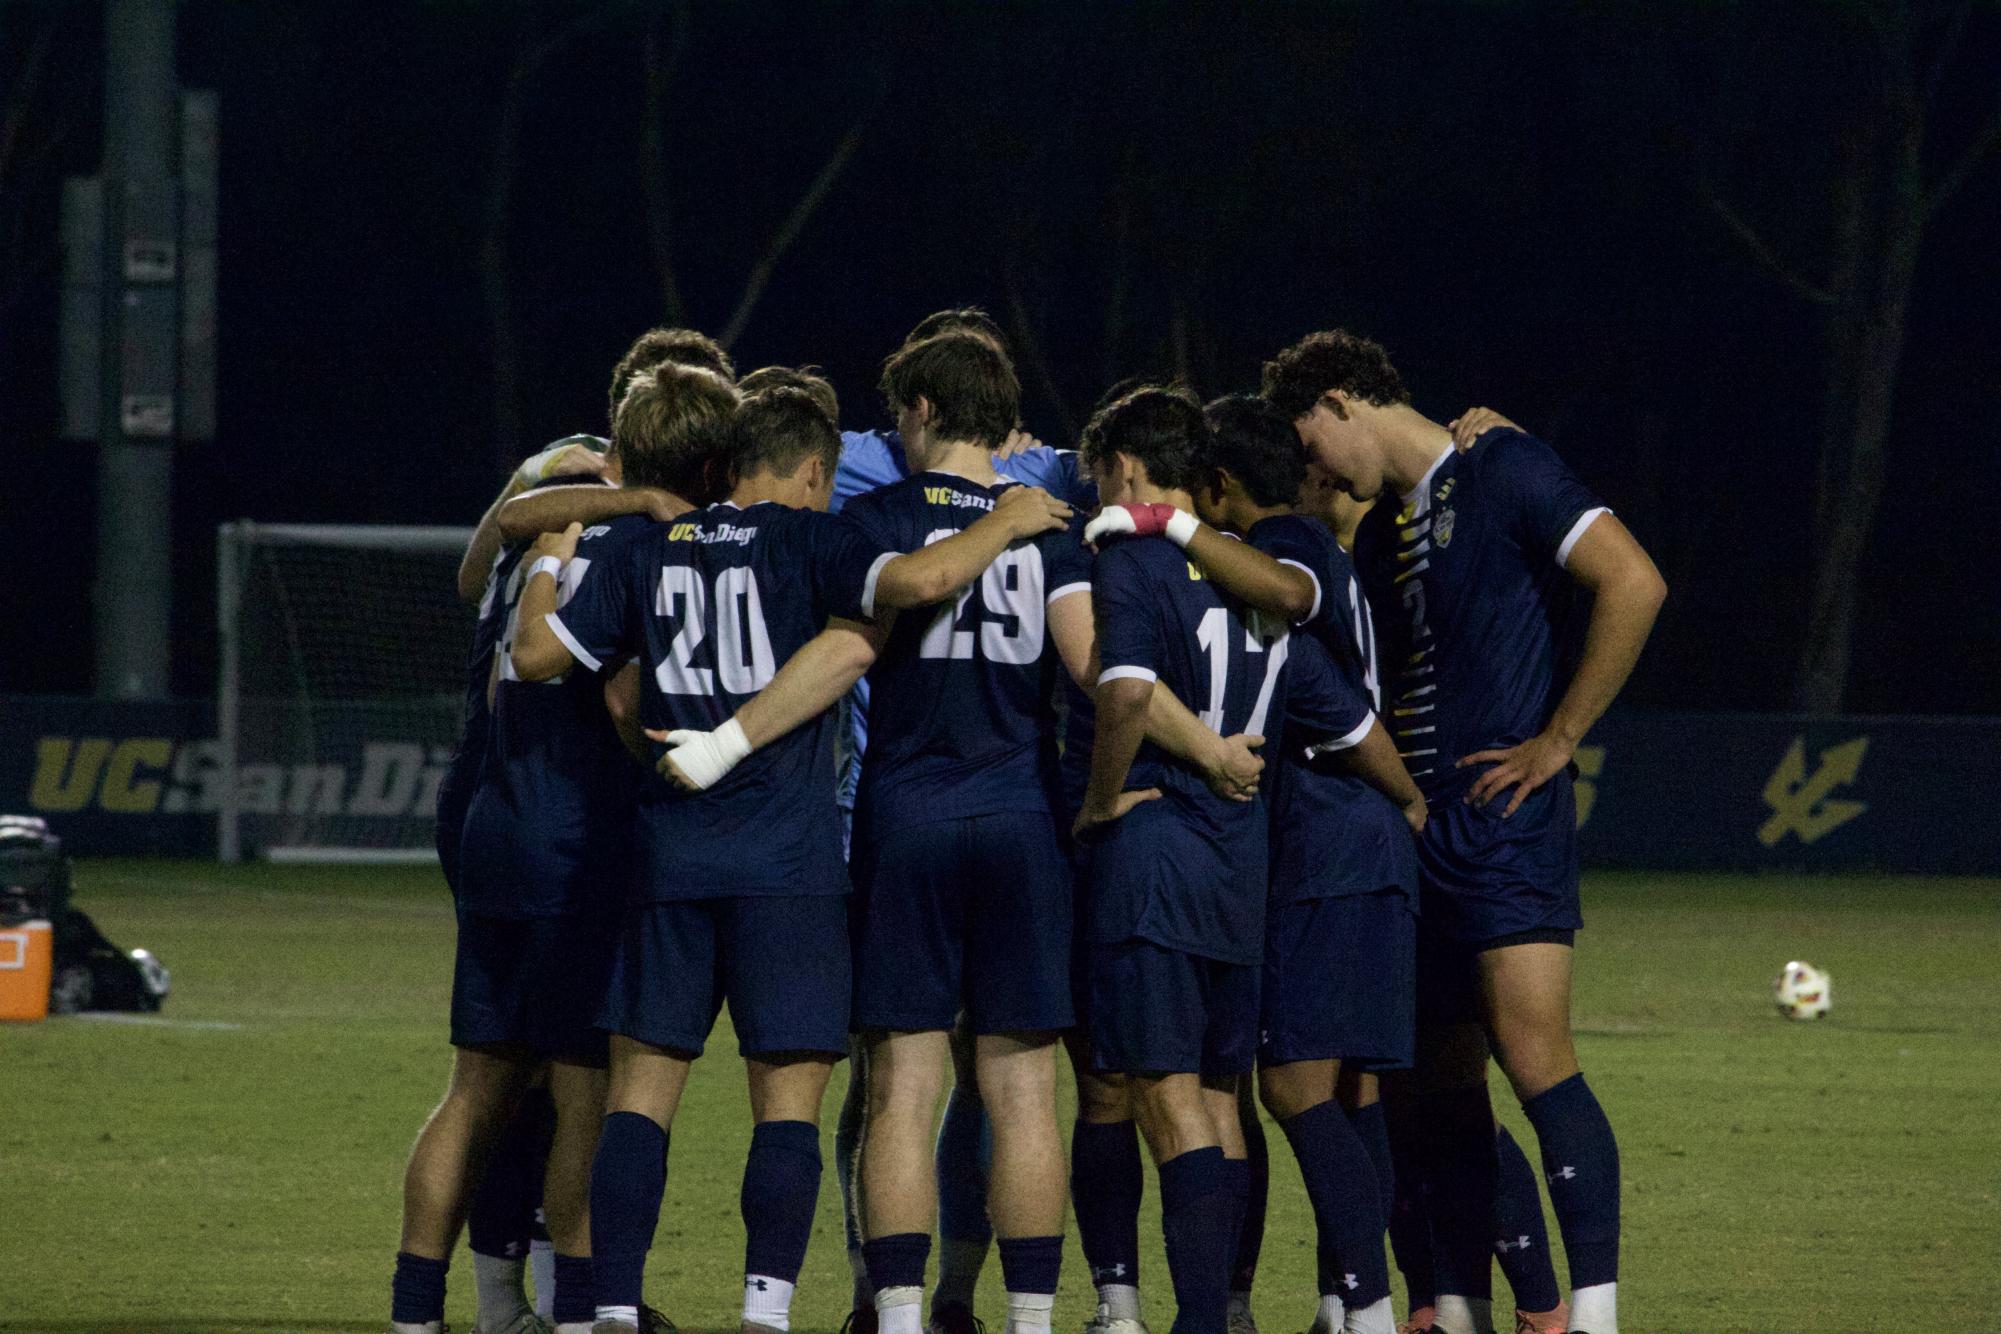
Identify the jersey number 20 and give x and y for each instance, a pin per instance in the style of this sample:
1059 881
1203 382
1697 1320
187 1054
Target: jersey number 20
743 645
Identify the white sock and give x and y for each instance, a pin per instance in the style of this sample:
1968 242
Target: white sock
1028 1312
1240 1305
416 1327
575 1327
1327 1319
1373 1319
767 1301
1465 1315
542 1273
501 1297
624 1315
900 1310
1120 1300
1595 1308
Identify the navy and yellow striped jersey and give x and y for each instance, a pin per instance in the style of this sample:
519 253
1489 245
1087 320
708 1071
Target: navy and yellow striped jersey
1471 602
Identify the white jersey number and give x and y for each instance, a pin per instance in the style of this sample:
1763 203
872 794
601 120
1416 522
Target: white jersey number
1011 596
743 645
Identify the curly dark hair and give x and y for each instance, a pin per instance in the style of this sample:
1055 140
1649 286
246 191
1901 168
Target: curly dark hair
683 347
1321 363
1162 427
1256 443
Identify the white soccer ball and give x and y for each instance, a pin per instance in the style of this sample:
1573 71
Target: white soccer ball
1802 991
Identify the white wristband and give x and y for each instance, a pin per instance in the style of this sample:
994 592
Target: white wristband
548 565
1181 528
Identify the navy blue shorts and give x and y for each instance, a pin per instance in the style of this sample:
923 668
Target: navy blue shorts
1483 878
1154 1009
1340 982
779 961
534 982
971 914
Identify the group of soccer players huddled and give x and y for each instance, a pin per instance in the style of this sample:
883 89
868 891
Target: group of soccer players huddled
937 748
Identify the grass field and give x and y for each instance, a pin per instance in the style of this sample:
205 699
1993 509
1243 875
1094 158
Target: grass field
237 1167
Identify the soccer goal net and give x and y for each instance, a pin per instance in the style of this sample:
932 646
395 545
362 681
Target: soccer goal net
341 669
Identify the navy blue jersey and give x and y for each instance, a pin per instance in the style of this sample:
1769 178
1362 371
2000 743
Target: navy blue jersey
547 827
714 604
455 789
1332 834
959 723
1471 601
1159 619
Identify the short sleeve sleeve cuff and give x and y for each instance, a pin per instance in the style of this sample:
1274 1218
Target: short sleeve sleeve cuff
577 650
1584 520
1297 565
1127 674
868 584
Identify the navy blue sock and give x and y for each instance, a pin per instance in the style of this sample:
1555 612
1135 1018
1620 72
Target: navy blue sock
1372 1128
1195 1216
1410 1211
781 1186
501 1219
1347 1211
1031 1264
628 1179
897 1261
1457 1150
1107 1182
417 1292
1521 1239
576 1291
1237 1190
1580 1159
1251 1232
964 1150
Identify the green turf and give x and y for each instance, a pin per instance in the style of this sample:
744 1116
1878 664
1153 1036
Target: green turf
238 1168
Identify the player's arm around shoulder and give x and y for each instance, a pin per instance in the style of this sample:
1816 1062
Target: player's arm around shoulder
940 570
1247 574
552 509
538 653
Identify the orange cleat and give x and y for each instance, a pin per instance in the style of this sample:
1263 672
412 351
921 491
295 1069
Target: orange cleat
1556 1321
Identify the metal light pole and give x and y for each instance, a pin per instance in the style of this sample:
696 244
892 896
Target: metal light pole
138 331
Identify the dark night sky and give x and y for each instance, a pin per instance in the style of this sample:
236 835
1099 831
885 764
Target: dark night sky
1503 194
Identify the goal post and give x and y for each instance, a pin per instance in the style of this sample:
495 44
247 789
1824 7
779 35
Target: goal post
341 661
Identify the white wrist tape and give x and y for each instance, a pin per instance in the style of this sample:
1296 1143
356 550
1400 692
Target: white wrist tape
548 565
704 757
1113 521
1181 528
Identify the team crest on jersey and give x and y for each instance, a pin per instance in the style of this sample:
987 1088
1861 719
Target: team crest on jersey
1441 528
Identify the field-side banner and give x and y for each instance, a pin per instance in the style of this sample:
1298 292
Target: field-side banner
1728 792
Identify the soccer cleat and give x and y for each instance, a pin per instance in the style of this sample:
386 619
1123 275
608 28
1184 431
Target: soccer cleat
1102 1323
527 1322
861 1320
752 1327
653 1322
1240 1322
1543 1322
1420 1322
955 1318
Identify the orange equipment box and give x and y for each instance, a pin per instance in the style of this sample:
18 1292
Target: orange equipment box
27 953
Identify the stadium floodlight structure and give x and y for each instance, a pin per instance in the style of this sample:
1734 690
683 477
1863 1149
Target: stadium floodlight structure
341 668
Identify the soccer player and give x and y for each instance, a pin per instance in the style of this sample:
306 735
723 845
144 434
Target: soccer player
738 891
1338 991
1470 569
872 459
1177 890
